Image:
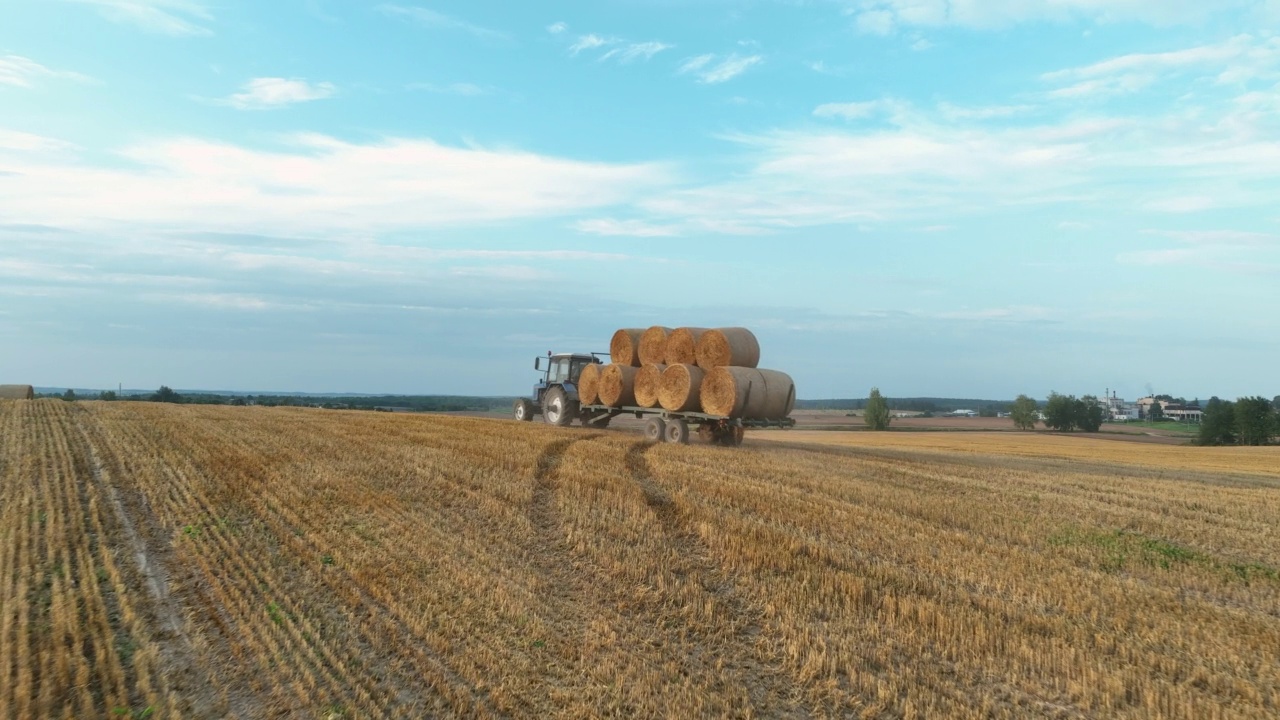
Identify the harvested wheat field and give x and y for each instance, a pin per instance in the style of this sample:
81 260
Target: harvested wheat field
203 561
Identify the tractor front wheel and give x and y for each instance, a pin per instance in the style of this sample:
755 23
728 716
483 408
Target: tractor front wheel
557 409
523 410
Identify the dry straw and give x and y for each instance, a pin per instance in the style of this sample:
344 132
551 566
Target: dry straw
649 385
589 384
653 345
682 346
748 393
624 348
680 388
617 385
723 347
17 392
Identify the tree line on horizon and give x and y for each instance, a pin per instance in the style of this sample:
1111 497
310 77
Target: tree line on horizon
1247 421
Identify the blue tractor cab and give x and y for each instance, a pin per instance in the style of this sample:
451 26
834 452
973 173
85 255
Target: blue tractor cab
555 396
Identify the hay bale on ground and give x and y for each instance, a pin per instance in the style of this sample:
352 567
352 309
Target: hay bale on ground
653 345
648 385
17 392
748 393
589 384
618 385
728 347
682 346
680 387
624 348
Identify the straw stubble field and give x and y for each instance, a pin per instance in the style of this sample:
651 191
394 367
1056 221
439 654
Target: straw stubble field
209 561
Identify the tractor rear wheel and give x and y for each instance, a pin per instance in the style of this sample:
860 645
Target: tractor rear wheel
558 409
523 410
655 429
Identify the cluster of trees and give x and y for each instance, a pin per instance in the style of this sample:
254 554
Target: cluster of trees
1247 421
1065 413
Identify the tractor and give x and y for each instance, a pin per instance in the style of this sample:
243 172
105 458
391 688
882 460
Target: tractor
555 397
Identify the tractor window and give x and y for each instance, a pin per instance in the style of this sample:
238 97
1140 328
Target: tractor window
577 369
559 370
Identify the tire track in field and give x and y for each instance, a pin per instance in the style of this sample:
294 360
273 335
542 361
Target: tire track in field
768 685
153 564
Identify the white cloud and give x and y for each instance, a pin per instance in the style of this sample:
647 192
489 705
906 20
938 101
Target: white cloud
27 142
884 16
557 27
696 63
631 228
440 21
1230 250
269 93
930 167
19 71
316 186
167 17
709 71
589 42
989 112
1235 61
636 51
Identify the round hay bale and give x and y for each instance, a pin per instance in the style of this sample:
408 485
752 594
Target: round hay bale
624 348
748 393
680 388
733 347
682 346
617 385
648 385
17 392
589 384
653 345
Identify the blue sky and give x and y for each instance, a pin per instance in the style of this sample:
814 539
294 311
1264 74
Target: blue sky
936 197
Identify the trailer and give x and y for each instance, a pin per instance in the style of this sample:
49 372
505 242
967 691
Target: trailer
675 427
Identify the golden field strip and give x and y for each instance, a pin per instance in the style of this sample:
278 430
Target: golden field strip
189 561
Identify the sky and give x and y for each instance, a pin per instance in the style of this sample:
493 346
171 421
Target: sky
955 198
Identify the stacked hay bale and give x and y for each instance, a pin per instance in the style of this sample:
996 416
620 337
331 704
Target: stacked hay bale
17 392
589 385
617 386
712 370
649 385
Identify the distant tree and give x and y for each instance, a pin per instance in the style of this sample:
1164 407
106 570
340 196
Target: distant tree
1218 426
1275 404
166 394
1155 412
1255 421
877 412
1025 413
1089 414
989 411
69 395
107 395
1060 412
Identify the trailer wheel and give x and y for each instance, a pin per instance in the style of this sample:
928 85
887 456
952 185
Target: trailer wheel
523 410
677 431
654 429
557 409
